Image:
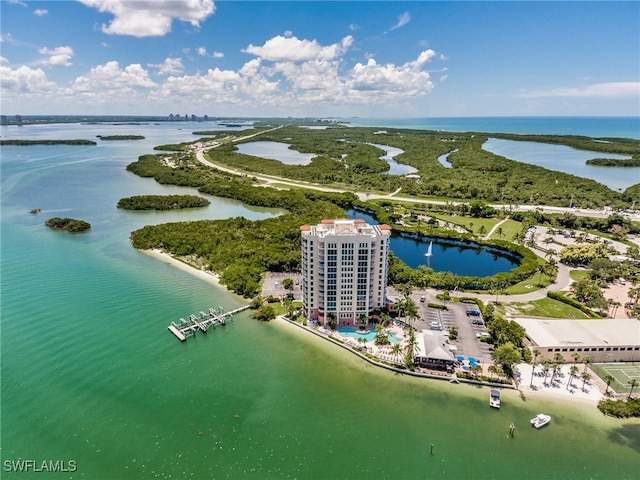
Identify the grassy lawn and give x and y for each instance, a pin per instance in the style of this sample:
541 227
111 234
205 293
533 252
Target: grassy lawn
471 223
578 275
531 284
509 229
546 307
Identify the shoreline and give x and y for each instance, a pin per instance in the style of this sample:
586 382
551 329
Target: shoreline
556 394
169 259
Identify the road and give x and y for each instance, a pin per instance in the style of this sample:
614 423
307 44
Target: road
364 196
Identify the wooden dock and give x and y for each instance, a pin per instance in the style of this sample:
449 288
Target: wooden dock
188 328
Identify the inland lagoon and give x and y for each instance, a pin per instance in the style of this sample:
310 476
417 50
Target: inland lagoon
455 256
90 373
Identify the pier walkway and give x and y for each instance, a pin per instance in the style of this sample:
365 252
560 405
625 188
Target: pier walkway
188 328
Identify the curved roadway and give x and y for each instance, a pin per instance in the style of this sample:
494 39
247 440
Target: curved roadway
563 279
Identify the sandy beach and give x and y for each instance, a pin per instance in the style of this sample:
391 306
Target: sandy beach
592 392
207 276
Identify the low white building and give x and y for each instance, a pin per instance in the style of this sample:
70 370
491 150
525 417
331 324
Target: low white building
433 351
606 340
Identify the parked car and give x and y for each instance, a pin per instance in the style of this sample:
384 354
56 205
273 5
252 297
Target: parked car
483 334
422 299
477 321
435 326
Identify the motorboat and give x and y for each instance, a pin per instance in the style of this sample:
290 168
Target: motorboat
540 420
494 398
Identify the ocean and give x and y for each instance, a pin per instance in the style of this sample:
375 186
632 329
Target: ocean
597 127
92 379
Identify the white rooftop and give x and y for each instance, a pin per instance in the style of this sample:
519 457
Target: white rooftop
606 332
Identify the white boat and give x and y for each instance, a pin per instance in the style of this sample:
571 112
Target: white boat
540 420
428 254
494 398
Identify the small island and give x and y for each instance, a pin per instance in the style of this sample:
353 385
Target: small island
25 143
162 202
610 162
68 224
120 137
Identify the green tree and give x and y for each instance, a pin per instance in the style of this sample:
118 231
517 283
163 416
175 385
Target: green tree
608 379
411 311
265 313
632 384
588 292
396 350
287 283
507 356
573 372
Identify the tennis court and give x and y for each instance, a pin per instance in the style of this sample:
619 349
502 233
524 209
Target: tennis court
622 374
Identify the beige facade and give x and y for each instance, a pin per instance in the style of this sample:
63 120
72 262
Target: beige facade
606 340
344 269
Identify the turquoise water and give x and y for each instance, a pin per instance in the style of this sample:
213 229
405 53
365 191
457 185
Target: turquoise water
566 159
620 127
369 335
90 373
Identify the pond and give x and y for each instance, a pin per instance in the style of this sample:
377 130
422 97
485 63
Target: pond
457 257
395 168
566 159
276 151
444 159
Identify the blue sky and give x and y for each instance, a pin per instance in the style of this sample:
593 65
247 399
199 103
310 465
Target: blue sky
311 58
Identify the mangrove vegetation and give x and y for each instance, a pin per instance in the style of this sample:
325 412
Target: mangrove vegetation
71 225
162 202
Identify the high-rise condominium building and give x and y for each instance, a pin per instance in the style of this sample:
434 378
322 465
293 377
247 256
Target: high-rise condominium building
344 270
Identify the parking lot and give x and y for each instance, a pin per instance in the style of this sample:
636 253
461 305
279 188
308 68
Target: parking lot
272 285
468 343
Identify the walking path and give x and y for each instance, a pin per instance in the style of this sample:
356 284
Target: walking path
488 235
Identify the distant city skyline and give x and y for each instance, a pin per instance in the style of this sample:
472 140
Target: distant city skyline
320 59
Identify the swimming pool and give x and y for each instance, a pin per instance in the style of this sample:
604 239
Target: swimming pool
369 335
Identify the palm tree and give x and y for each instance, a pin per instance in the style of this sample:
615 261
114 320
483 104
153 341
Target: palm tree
632 384
585 378
540 269
555 368
558 358
411 311
396 350
410 349
576 357
573 372
533 369
634 294
587 360
608 379
493 370
545 368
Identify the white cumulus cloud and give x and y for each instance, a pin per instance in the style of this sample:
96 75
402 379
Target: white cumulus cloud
40 12
147 18
110 79
24 80
170 66
291 49
58 57
384 81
